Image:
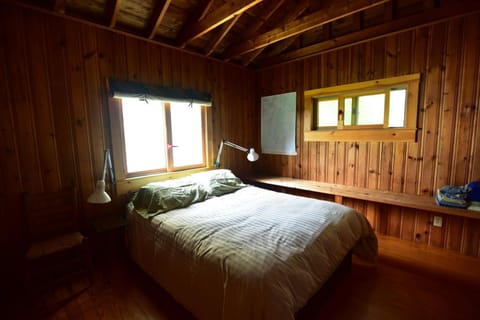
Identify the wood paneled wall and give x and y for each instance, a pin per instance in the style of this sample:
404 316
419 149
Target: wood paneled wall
53 115
448 147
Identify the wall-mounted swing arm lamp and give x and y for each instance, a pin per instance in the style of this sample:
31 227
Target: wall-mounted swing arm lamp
100 195
251 154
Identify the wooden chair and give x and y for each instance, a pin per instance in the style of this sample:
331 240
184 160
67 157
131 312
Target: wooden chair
57 251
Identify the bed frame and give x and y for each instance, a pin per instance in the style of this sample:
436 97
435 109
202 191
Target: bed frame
319 299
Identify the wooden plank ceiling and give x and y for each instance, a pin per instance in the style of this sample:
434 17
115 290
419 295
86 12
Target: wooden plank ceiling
257 33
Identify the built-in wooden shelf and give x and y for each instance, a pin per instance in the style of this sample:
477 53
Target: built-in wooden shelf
379 196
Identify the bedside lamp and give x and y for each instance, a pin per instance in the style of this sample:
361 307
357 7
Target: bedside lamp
251 154
100 195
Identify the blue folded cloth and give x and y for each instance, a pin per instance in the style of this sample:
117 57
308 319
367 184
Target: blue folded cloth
453 196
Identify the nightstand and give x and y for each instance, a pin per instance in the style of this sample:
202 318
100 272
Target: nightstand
109 238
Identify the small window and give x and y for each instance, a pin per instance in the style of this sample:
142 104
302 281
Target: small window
327 113
398 105
379 110
161 136
368 109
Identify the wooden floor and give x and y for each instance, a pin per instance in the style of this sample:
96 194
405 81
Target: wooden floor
408 283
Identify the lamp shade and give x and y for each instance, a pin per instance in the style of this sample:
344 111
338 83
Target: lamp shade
252 155
99 195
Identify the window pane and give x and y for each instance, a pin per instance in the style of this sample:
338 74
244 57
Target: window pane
327 113
143 125
347 108
370 109
396 116
187 135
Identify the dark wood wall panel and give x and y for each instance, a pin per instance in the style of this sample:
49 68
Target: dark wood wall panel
446 152
54 120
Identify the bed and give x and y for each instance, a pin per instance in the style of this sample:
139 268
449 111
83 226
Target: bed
245 252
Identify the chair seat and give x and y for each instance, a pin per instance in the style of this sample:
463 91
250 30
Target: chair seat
54 245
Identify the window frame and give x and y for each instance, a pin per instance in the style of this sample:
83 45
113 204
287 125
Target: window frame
126 181
363 132
168 127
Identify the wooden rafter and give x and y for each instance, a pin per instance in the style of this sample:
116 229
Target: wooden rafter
212 20
159 11
112 12
263 17
291 16
312 21
451 9
201 11
281 46
327 31
390 11
219 37
358 21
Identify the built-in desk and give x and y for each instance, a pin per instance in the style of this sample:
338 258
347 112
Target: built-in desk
378 196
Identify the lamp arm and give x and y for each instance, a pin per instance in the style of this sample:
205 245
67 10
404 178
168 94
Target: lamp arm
107 164
219 155
236 146
112 174
251 154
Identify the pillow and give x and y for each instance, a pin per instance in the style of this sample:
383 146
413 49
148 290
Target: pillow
218 182
160 197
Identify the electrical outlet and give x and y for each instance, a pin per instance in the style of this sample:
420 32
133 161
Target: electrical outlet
437 221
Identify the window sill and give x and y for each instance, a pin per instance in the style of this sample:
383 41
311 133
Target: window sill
134 183
377 135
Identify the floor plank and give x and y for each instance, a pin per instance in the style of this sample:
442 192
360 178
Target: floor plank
409 282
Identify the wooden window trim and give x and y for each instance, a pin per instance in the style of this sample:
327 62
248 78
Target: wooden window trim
125 182
171 167
363 133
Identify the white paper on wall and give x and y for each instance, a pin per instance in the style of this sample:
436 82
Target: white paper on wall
278 123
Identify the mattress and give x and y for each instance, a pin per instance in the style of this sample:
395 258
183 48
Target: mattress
251 254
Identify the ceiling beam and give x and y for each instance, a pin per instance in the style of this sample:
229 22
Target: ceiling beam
212 20
157 16
317 19
201 10
267 12
290 16
219 37
113 7
198 14
390 11
279 47
452 9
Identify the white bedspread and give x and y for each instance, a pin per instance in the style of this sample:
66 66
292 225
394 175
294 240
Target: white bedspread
252 254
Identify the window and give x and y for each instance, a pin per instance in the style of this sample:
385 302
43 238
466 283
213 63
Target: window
157 132
162 136
379 110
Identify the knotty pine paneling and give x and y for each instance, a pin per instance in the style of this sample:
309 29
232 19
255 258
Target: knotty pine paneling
446 152
54 121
